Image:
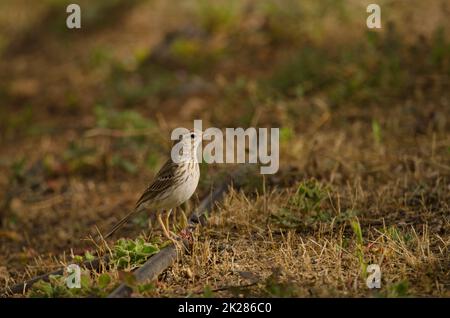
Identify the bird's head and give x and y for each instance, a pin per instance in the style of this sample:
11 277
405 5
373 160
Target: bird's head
185 147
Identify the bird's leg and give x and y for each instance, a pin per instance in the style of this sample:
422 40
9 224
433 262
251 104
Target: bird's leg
167 220
173 234
163 227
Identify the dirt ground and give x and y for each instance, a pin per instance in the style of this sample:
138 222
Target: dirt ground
85 122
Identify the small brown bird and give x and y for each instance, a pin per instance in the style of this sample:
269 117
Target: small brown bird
174 184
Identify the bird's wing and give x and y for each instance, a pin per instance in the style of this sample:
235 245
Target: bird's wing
163 180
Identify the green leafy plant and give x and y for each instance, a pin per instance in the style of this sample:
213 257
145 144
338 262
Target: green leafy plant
104 280
53 288
309 195
88 256
57 287
145 288
132 253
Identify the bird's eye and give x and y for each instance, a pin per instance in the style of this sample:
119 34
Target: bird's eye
192 136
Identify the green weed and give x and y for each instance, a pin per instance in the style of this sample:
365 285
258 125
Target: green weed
398 290
132 253
376 132
304 206
90 286
309 196
356 227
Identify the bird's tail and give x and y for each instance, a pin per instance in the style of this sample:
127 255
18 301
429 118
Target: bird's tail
119 224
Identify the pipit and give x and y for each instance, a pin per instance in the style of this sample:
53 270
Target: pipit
174 184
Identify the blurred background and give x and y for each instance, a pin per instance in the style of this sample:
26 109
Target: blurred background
86 114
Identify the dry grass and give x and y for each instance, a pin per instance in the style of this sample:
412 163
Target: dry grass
365 144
